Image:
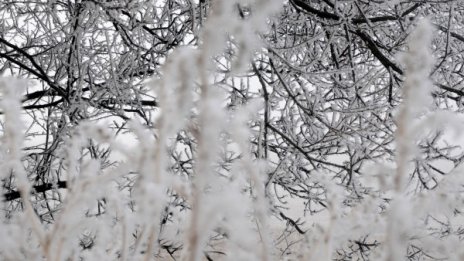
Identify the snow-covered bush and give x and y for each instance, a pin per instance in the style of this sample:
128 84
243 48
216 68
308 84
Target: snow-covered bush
227 130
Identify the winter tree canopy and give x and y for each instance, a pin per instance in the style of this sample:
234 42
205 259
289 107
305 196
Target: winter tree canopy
232 130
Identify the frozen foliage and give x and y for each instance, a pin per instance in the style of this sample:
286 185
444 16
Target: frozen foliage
129 228
231 130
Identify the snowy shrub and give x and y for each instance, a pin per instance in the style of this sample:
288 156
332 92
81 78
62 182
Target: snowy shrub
230 130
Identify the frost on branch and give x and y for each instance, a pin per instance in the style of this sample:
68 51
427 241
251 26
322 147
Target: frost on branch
140 208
